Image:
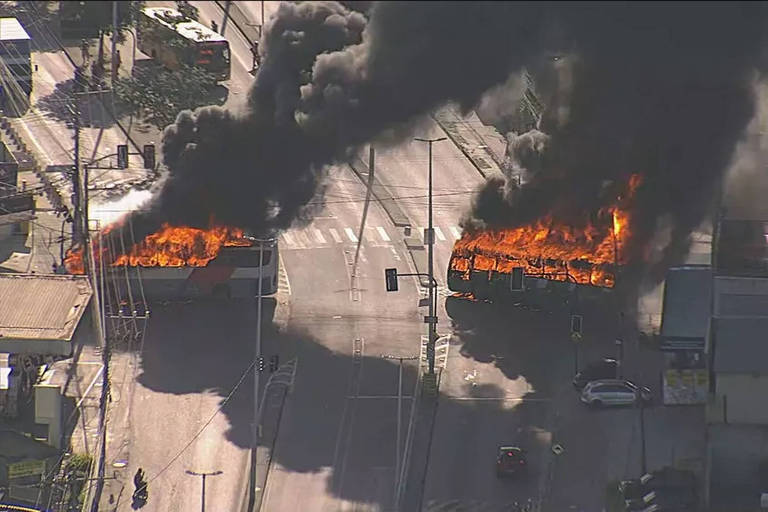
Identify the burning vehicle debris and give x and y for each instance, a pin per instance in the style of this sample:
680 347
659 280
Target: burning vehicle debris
183 262
589 253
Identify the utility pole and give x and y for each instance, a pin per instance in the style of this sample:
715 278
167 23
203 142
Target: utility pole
227 5
261 27
398 452
256 408
430 240
204 475
371 165
77 225
114 42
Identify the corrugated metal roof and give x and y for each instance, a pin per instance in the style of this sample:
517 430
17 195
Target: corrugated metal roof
41 307
741 345
11 30
687 296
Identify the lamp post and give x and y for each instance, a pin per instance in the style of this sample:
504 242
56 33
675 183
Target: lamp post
204 475
430 240
256 408
398 454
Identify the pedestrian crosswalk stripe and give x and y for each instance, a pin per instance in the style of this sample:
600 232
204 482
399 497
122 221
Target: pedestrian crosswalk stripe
439 233
288 239
455 231
350 234
335 235
302 238
319 236
369 236
383 233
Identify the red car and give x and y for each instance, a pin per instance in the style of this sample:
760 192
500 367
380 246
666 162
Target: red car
510 460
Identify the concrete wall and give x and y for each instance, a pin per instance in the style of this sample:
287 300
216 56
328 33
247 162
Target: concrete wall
744 398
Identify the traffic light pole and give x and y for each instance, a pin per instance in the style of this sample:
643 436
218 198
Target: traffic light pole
430 258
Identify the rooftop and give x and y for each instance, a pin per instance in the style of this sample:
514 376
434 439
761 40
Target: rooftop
687 295
741 345
11 29
42 307
742 248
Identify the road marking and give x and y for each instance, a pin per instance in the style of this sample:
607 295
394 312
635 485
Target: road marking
455 231
335 235
439 234
350 234
288 239
303 239
383 233
319 235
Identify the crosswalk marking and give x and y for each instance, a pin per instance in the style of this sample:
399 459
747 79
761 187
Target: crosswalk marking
303 239
319 235
288 239
383 233
439 233
455 231
350 234
335 235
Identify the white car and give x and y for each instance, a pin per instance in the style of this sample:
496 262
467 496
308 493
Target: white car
610 392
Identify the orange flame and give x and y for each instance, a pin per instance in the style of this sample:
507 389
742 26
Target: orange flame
586 255
171 246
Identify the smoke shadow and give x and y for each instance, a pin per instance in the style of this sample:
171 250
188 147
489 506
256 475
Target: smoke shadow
61 103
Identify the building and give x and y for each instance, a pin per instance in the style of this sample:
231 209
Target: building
684 330
737 353
24 461
41 319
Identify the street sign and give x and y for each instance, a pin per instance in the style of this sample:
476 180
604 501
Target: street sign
429 236
575 337
390 276
149 156
557 449
122 156
576 321
430 319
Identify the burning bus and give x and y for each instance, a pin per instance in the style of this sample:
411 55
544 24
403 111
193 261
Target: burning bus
183 262
553 255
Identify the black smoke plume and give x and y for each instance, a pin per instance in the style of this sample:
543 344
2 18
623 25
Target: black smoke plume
657 89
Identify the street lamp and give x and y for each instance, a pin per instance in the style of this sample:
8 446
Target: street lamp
256 408
398 455
430 240
213 473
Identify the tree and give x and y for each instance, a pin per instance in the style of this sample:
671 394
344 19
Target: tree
159 95
90 19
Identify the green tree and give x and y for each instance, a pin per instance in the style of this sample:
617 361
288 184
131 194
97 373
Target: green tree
159 96
96 18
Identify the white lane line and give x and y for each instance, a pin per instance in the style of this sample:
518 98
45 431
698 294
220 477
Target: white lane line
335 235
288 239
383 233
439 234
350 234
319 235
303 240
455 231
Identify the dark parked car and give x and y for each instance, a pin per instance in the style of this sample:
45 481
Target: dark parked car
510 460
597 370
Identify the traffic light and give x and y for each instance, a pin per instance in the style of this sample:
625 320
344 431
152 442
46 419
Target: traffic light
575 324
261 364
149 156
274 363
516 279
122 156
390 276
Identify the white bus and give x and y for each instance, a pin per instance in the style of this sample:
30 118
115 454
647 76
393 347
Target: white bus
234 273
174 40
